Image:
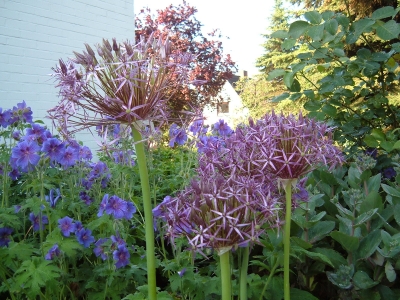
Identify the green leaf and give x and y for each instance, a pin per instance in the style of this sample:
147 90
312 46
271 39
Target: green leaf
288 44
280 97
313 255
397 213
329 110
320 230
331 26
297 29
326 15
288 79
369 244
349 243
280 34
383 13
335 257
363 25
373 200
390 272
362 281
295 87
390 190
314 17
374 183
296 294
364 217
316 32
301 242
276 73
387 31
312 105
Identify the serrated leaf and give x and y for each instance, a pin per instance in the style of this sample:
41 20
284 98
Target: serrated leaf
288 44
349 243
280 34
297 29
280 97
363 281
383 13
364 217
316 32
314 17
312 105
276 73
363 25
388 31
313 255
288 79
331 26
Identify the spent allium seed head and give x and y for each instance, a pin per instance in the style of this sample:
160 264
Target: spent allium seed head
127 86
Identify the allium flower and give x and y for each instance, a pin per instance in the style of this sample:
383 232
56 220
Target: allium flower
84 237
222 128
25 155
177 135
124 157
53 252
37 219
99 248
5 117
67 226
5 233
124 87
121 256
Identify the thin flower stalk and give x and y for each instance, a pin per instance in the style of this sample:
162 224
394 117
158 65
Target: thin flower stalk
124 84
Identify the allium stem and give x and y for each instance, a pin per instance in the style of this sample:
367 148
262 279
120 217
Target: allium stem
287 185
225 275
243 273
148 214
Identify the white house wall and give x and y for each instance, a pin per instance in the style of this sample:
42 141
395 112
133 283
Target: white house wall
34 34
237 112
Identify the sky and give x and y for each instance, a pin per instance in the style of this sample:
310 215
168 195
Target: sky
243 22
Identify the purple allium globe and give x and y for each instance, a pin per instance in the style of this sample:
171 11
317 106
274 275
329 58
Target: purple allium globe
125 84
292 147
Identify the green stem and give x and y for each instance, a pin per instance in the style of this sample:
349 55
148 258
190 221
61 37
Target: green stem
271 274
225 276
148 214
287 184
243 273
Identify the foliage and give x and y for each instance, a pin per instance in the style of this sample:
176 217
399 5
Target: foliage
179 23
353 92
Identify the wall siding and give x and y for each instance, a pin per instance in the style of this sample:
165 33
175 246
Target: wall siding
34 34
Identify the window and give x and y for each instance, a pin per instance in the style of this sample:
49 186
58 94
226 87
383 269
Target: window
223 108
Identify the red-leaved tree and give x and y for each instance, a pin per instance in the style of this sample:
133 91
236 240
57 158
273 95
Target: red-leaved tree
180 26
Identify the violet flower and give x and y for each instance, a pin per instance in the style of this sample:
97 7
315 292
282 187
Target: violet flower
53 252
121 256
66 226
84 237
38 221
5 233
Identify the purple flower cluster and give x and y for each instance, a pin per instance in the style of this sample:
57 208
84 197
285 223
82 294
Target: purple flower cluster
235 192
5 233
116 207
53 252
177 135
19 113
68 226
52 198
38 221
99 173
118 248
39 143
